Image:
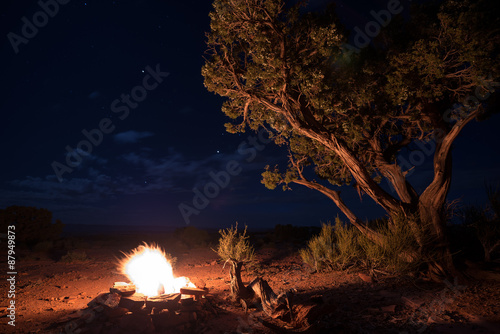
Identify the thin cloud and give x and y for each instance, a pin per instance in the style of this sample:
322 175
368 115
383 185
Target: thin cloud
131 137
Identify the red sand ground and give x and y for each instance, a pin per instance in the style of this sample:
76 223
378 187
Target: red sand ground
47 290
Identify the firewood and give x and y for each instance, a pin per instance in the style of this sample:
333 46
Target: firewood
194 291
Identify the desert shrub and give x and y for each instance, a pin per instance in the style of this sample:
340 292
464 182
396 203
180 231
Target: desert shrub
75 256
33 225
342 245
347 244
334 247
320 250
397 253
192 236
486 223
234 246
44 246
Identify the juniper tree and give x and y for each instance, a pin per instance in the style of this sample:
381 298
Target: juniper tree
348 115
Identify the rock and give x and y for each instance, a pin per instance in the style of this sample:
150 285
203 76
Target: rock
365 278
134 302
98 300
113 300
137 323
388 294
122 288
115 312
187 301
168 319
162 319
194 291
412 302
388 309
169 301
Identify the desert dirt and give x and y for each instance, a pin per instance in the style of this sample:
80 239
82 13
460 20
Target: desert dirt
355 301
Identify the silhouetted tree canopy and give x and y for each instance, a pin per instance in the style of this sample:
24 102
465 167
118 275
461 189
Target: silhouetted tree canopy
347 115
32 224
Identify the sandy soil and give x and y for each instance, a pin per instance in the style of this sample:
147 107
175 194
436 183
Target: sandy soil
47 290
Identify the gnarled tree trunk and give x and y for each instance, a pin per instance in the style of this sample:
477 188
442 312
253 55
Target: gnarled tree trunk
258 293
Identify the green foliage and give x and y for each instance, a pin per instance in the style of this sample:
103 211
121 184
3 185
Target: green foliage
234 246
33 225
192 236
400 247
347 244
347 118
320 252
342 245
75 256
280 68
334 247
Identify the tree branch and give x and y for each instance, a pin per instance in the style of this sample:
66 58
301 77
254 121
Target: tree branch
335 197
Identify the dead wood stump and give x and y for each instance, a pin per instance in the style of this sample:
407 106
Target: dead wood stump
258 293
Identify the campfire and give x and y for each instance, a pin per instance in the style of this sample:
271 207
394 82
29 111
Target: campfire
153 300
149 270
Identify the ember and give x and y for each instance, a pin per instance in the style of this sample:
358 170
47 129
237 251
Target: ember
149 270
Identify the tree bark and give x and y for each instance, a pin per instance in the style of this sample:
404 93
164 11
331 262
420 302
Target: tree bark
238 289
258 292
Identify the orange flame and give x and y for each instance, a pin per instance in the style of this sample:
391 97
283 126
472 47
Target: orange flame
149 270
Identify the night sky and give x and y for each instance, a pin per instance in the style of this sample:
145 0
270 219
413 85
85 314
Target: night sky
74 81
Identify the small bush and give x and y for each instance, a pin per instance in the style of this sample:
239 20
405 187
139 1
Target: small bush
339 246
192 236
33 225
399 248
334 247
44 246
348 249
75 256
486 222
320 250
234 246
